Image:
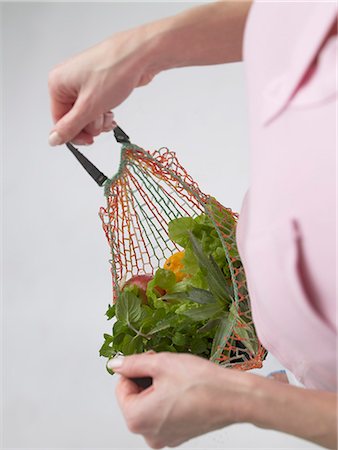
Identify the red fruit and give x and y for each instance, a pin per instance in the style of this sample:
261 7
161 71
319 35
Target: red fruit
160 291
141 282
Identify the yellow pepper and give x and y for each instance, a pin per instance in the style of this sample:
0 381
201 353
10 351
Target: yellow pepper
174 263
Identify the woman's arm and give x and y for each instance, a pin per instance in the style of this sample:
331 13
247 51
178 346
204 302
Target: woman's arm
306 413
85 87
205 35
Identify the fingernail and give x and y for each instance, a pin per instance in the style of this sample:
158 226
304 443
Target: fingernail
115 363
54 139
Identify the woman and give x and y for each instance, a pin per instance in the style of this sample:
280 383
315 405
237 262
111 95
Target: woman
285 238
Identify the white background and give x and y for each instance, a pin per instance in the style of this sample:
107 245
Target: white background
56 392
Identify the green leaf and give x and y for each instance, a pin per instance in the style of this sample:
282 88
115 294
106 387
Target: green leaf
182 286
128 307
210 325
152 319
222 289
203 221
178 230
190 262
203 312
158 340
249 342
108 338
196 295
110 313
165 279
132 345
202 296
215 276
198 345
180 339
107 350
244 331
163 324
184 324
135 345
119 328
133 288
222 335
118 341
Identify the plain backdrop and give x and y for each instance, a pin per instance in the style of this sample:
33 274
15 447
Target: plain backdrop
57 285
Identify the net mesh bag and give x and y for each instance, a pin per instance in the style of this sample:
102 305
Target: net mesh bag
149 191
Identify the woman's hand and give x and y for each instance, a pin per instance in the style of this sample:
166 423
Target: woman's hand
86 87
190 396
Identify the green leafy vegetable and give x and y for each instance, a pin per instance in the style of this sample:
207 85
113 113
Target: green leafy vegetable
203 312
163 324
196 314
223 332
211 324
214 275
193 294
165 279
110 312
128 307
178 229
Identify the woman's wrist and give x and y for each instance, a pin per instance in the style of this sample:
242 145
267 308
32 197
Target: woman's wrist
236 392
305 413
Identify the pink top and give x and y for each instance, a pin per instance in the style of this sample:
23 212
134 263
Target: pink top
287 229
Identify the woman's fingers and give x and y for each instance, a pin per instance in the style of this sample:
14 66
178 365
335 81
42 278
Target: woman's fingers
126 388
73 116
95 127
71 124
83 138
104 123
108 121
182 402
86 86
135 366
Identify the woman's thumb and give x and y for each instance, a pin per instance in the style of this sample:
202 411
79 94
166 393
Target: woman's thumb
70 125
141 365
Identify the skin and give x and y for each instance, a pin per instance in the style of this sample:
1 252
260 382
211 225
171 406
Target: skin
86 87
190 396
